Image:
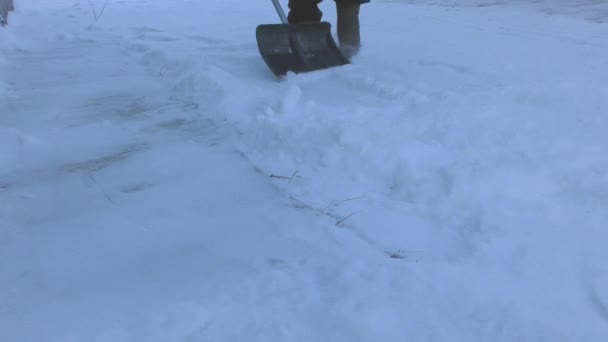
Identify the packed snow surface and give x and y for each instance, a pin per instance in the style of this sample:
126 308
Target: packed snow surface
157 183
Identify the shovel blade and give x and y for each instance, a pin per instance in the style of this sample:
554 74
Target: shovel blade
298 47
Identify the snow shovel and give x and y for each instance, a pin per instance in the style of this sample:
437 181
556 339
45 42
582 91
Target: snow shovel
298 48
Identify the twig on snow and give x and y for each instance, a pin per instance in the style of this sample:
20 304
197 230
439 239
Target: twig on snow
335 204
346 218
289 179
293 176
96 15
301 204
396 255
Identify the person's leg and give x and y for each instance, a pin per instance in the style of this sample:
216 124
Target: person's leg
3 13
349 34
301 11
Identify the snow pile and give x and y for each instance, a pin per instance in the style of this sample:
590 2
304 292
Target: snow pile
492 157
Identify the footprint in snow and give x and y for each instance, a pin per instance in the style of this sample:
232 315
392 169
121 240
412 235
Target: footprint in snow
156 38
145 29
134 188
204 39
100 163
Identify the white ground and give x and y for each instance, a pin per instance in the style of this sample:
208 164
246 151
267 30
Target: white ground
158 184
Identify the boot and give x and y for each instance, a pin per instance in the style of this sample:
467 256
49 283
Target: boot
349 35
303 11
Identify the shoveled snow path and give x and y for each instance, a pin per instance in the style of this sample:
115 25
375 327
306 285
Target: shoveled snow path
158 185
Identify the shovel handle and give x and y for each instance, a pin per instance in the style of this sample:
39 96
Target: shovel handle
280 11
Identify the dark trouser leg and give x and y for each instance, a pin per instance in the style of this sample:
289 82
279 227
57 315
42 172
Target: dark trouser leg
301 11
3 14
348 26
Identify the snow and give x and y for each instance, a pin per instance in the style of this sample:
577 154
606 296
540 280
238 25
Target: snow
158 184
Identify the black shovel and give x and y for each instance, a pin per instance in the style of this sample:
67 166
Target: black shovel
298 47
